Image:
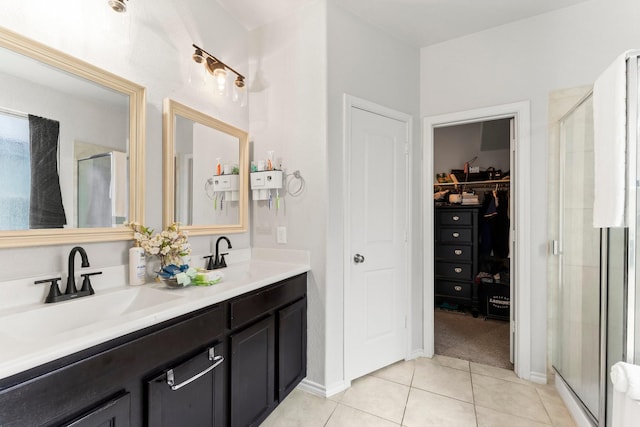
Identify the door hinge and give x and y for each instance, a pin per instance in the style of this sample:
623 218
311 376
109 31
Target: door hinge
405 322
406 148
513 326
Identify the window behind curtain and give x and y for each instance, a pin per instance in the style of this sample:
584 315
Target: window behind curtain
15 172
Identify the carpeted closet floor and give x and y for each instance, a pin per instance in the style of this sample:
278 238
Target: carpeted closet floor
460 335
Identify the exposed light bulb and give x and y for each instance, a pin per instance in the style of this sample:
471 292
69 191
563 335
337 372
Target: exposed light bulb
220 76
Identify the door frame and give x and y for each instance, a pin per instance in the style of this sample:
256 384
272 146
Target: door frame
521 194
350 102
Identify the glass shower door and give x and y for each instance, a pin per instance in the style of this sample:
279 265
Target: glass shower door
576 355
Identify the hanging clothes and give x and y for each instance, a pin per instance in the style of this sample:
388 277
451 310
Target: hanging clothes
494 225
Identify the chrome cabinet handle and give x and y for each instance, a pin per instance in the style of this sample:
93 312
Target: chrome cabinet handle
458 270
457 288
212 357
458 251
357 258
456 234
455 218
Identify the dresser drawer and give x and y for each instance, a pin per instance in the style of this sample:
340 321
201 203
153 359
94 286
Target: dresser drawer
454 270
451 235
455 217
453 289
454 252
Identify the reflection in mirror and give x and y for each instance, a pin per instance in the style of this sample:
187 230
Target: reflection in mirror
70 139
206 169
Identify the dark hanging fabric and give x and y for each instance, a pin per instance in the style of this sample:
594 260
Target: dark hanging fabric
501 229
46 209
494 225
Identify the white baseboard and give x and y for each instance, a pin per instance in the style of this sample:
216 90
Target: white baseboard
538 377
312 387
320 390
414 354
575 409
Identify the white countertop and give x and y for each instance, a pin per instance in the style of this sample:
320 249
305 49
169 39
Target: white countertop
24 346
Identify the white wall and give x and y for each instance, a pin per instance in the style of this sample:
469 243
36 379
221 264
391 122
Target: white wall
359 59
526 60
287 98
150 45
455 145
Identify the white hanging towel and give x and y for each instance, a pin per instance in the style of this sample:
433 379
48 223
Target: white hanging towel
626 394
118 186
610 145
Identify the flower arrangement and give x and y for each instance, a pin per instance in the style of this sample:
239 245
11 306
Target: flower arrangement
170 245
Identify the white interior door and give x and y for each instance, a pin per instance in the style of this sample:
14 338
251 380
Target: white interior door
376 289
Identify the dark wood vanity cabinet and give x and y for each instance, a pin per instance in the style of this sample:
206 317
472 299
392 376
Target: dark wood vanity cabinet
268 349
255 340
195 397
114 413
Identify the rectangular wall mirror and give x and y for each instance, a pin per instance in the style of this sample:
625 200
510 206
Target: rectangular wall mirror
206 168
71 148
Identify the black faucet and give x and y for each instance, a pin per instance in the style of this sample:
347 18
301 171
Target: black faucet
219 258
71 280
71 292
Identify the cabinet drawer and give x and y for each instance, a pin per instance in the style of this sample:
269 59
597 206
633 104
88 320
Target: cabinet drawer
191 393
455 217
453 289
450 235
454 270
244 309
454 252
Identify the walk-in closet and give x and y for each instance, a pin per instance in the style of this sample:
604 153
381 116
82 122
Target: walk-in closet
473 253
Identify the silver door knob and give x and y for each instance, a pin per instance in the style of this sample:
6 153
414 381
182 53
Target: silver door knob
357 258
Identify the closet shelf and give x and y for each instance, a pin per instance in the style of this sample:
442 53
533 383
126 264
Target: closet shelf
472 183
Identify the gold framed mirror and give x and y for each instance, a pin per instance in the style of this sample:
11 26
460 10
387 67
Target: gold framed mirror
205 172
69 133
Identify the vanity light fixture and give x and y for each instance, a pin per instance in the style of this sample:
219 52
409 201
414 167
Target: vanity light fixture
118 5
219 70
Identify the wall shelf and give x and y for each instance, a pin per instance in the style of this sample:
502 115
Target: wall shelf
472 183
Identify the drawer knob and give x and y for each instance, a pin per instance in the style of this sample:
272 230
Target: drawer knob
456 234
457 288
458 251
456 218
458 270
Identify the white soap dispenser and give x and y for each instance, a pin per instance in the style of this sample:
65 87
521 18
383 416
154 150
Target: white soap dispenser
137 266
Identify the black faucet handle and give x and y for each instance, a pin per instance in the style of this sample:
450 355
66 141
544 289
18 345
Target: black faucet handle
209 264
86 283
54 290
223 263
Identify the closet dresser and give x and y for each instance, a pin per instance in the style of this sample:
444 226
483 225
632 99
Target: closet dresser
456 255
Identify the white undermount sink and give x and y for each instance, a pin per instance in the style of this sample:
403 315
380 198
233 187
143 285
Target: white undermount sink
53 319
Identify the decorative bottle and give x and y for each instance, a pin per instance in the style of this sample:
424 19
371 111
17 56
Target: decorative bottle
137 266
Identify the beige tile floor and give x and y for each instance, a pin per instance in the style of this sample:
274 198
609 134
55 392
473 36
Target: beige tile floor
429 392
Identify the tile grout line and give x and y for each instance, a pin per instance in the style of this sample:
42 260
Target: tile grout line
404 413
332 412
545 407
473 396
